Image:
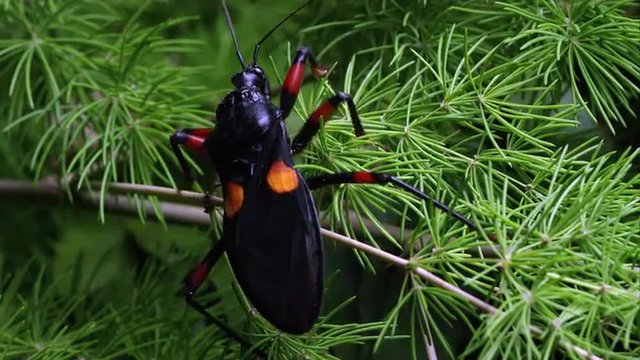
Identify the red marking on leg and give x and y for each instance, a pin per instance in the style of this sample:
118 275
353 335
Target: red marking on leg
325 111
363 177
203 133
194 142
294 79
198 275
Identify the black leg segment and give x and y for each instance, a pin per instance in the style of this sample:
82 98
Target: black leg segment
224 327
197 276
324 111
366 177
191 138
193 281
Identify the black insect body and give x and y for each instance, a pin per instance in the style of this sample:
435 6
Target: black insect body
271 231
270 227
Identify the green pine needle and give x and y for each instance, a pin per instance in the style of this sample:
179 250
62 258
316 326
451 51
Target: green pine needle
479 104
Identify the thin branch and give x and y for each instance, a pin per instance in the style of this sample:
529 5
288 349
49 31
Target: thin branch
188 214
199 200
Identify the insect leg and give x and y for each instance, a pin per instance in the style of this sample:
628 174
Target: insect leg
197 276
193 281
295 75
366 177
191 138
324 111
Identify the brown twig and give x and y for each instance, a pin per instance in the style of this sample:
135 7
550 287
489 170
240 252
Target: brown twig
183 211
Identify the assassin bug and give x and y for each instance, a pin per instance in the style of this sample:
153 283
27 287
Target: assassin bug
270 228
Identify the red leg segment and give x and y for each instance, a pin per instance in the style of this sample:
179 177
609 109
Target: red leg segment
366 177
295 75
193 139
324 112
193 281
197 276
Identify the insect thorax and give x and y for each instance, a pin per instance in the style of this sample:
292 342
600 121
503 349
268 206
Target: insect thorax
243 123
245 116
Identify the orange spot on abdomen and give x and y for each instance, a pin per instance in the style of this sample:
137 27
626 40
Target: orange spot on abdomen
282 178
233 198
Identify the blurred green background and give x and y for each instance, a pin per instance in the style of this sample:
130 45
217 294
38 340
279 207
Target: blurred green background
79 284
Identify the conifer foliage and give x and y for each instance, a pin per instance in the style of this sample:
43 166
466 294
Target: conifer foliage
507 111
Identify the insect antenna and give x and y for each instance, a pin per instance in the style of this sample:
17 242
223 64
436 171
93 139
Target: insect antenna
233 33
257 48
